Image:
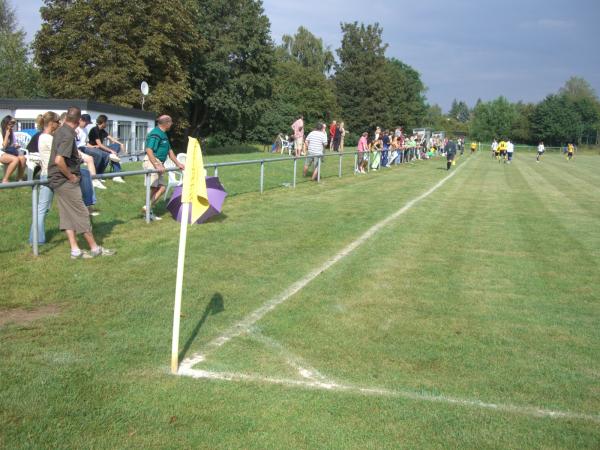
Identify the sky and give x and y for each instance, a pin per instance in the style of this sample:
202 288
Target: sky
463 49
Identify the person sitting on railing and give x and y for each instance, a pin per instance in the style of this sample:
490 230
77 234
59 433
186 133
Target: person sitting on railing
96 139
10 150
158 148
100 159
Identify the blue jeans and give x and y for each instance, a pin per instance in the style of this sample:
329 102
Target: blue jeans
44 203
117 149
100 158
87 189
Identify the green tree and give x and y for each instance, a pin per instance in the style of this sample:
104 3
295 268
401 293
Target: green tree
576 88
459 111
556 121
433 117
232 74
405 95
308 50
362 76
584 100
300 87
103 49
494 119
522 131
19 78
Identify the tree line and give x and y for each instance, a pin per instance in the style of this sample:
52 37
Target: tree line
214 67
570 115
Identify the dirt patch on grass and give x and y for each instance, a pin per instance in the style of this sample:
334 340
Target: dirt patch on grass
21 316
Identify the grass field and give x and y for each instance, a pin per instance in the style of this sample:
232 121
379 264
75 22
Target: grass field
470 320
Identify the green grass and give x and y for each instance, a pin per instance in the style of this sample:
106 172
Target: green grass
487 290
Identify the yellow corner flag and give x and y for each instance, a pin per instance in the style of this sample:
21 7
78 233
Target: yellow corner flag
194 183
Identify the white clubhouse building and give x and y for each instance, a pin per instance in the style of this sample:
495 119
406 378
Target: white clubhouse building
128 125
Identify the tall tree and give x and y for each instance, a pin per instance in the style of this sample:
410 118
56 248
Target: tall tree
405 96
459 111
231 75
308 50
583 99
361 76
18 76
577 88
297 90
556 121
103 49
494 119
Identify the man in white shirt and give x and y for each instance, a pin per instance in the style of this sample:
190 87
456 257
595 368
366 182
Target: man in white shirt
541 150
510 148
315 142
494 148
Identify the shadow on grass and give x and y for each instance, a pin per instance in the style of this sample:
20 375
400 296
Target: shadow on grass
215 306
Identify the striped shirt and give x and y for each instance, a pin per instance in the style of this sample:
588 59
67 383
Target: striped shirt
316 141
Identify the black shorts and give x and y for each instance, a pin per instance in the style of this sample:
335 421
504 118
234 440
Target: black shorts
503 153
450 156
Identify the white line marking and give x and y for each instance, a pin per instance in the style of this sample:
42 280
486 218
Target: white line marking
338 387
244 325
304 369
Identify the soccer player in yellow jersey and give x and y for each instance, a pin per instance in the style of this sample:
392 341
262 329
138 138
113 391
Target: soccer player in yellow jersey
501 152
570 151
473 147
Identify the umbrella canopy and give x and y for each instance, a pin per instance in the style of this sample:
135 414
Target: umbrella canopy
216 197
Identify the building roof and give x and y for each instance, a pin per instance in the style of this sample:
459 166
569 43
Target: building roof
63 104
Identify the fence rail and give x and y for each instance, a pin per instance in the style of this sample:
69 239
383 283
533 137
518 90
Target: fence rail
35 184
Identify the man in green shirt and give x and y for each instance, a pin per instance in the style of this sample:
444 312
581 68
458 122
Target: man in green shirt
158 148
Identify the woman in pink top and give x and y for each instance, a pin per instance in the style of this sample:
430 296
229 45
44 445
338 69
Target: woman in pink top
363 146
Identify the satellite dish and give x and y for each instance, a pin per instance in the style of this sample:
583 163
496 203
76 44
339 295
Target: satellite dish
145 88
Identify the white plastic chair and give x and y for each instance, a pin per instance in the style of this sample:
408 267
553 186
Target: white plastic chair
175 177
287 146
33 159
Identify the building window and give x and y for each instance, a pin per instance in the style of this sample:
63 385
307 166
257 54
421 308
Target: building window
141 131
124 135
25 124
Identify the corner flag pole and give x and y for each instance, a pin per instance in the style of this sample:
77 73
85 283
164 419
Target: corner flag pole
178 287
194 200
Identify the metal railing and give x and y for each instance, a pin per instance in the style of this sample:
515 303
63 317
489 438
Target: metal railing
35 184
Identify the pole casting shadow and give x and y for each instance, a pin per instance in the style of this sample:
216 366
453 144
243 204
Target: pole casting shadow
215 306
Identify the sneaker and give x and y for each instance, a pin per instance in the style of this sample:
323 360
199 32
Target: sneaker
100 251
94 213
118 180
81 255
114 158
98 185
154 217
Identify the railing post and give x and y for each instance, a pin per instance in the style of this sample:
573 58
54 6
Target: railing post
35 219
295 167
262 175
340 168
319 169
216 174
147 197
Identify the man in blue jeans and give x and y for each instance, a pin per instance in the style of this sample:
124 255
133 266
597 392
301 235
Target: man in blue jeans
96 139
101 159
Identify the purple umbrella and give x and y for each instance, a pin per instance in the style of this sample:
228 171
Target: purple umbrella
216 197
